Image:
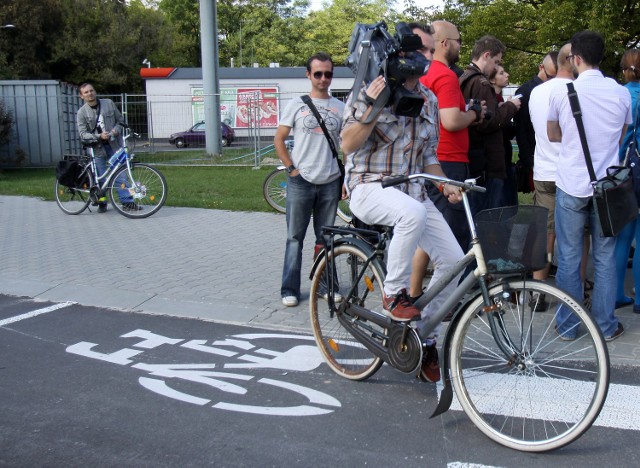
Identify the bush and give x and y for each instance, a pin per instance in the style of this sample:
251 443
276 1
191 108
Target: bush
6 122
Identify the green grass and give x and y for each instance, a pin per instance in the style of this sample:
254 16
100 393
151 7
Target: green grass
223 188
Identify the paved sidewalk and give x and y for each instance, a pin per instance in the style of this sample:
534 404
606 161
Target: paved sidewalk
208 264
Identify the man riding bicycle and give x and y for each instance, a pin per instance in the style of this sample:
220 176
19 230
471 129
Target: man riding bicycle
394 144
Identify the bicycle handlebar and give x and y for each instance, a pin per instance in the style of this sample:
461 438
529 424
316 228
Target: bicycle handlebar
469 184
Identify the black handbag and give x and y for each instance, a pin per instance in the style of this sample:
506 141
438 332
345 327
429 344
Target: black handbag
307 100
613 195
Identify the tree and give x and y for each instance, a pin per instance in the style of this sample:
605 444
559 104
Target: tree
530 28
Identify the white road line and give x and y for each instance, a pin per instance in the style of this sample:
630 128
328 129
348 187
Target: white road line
620 410
34 313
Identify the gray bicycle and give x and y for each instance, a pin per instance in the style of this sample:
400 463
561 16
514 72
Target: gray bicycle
529 365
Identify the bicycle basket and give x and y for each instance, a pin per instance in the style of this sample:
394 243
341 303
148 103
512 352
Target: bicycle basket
514 238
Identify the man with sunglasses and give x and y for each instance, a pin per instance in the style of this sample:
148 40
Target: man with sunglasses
525 134
314 178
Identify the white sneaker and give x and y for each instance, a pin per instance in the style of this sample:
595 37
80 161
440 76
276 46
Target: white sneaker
290 301
337 297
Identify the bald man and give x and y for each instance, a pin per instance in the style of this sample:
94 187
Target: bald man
525 135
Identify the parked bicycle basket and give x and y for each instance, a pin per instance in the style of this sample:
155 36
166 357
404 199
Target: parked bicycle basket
514 238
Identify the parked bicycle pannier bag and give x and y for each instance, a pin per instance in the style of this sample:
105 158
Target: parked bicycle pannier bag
615 200
67 172
613 196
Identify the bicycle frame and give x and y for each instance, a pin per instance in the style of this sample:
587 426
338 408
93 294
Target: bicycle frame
106 176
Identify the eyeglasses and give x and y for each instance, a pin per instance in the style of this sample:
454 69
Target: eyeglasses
318 75
548 75
458 39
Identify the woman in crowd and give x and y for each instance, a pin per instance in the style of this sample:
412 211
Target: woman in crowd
630 64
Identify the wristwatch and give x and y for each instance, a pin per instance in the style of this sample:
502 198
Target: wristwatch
291 168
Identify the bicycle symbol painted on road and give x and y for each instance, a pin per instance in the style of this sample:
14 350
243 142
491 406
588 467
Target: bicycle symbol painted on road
176 381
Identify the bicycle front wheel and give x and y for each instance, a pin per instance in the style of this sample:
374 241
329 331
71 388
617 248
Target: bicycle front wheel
73 200
274 189
344 212
532 375
356 281
147 191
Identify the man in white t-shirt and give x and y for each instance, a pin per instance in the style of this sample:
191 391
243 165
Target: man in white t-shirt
314 178
546 152
606 112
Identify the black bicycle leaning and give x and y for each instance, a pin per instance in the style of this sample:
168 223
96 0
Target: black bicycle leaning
528 364
78 184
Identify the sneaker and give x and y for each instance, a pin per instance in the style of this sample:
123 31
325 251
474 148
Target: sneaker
538 302
337 297
102 208
616 333
131 207
290 301
430 368
400 306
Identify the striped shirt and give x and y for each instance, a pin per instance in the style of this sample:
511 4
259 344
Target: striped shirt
398 145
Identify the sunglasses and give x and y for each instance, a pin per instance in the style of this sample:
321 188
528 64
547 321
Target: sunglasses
328 75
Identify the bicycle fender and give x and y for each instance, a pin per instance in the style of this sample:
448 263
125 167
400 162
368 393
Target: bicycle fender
359 243
446 396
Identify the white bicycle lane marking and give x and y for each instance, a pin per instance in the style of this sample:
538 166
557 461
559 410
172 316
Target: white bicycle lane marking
299 358
34 313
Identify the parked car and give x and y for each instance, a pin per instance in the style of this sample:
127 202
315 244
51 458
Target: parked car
195 136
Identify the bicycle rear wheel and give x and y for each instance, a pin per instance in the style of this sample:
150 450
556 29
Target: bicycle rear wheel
356 282
148 190
274 189
520 382
73 200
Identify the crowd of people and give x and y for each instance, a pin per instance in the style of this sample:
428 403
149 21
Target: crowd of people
465 129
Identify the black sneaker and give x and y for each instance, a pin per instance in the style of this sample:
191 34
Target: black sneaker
538 302
102 208
616 334
131 207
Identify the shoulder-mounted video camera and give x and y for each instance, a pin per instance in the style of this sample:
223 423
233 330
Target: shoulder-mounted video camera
373 52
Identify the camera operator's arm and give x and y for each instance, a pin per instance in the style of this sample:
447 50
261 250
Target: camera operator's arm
354 133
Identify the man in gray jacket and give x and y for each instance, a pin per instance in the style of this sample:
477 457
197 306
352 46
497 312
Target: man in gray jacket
100 126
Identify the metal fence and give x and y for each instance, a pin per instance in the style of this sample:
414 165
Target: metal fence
45 126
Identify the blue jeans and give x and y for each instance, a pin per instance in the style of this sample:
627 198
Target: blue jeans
492 198
101 168
303 200
571 215
453 214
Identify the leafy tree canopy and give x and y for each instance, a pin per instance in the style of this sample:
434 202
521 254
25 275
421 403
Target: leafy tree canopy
105 41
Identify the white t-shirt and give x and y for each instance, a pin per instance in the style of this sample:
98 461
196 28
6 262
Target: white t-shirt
606 108
311 152
545 157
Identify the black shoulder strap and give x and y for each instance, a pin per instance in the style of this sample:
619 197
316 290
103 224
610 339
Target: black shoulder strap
307 100
577 114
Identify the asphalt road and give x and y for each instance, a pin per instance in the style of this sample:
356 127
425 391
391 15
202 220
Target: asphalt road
85 386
